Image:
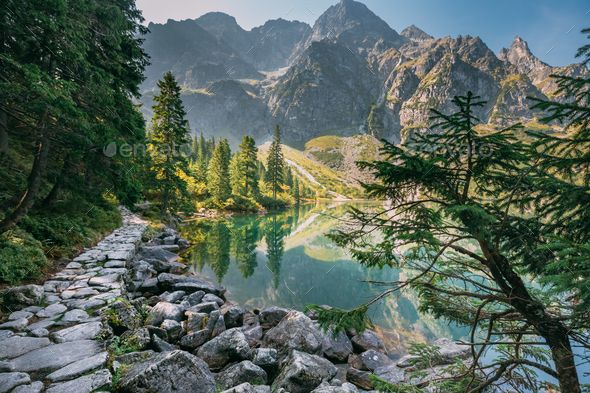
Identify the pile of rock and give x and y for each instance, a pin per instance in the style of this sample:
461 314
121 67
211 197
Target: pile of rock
187 337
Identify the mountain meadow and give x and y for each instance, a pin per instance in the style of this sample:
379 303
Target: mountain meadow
192 206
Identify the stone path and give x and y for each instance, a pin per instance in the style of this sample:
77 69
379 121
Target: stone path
52 339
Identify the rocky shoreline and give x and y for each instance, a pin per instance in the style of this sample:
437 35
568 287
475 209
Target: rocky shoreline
124 316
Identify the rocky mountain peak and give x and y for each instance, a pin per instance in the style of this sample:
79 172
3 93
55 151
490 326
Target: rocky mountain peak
352 24
414 33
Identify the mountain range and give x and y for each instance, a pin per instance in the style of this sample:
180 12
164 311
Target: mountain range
329 78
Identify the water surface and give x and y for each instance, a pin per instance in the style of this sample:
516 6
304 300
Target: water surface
286 259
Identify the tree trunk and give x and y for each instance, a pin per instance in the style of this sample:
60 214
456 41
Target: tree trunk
3 134
52 196
27 199
548 327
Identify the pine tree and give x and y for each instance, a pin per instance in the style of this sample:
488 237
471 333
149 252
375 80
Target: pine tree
245 169
169 131
464 208
218 179
275 165
288 176
296 192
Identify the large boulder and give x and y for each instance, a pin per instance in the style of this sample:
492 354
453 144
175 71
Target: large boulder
336 347
245 371
271 316
176 371
23 296
369 360
295 332
122 315
168 281
367 340
248 388
304 372
163 311
157 253
327 388
230 345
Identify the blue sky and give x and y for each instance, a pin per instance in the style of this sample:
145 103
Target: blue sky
552 28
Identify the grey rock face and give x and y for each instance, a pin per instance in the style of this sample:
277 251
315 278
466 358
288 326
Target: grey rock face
248 388
187 283
303 373
35 387
168 372
230 345
295 331
327 388
267 358
239 373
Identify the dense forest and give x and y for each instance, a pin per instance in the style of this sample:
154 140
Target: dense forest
494 225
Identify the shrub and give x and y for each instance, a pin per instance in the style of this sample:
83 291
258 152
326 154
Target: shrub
21 257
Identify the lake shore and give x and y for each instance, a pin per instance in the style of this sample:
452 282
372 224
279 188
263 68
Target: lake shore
125 314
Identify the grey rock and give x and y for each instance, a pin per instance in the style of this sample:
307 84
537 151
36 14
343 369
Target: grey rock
230 345
239 373
369 360
85 384
53 357
173 329
104 280
271 316
157 253
162 311
42 324
78 368
390 373
195 339
84 331
367 340
10 380
188 283
205 307
161 345
139 338
336 348
52 310
360 378
267 358
327 388
213 298
41 332
195 298
17 324
6 334
75 316
295 331
123 316
115 264
22 296
6 366
196 321
172 297
233 316
248 388
253 334
19 315
16 346
303 372
35 387
176 371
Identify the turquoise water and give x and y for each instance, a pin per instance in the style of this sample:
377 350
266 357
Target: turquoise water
286 259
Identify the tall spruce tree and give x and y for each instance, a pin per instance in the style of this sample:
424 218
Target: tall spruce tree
296 192
218 178
463 220
245 169
275 165
169 132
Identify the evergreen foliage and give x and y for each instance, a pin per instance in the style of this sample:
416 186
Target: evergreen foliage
218 180
168 136
275 165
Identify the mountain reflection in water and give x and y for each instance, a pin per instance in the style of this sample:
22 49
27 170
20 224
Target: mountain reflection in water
286 259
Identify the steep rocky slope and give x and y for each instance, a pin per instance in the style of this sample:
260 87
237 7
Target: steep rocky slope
325 80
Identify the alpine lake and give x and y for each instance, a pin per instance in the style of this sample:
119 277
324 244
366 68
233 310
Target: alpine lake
286 259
